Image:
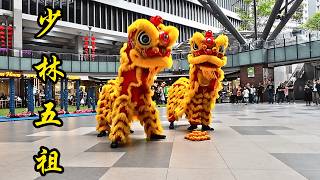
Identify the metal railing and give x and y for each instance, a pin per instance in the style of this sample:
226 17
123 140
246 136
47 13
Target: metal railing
72 56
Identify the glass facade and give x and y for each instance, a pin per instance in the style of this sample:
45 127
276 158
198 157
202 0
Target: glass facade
92 13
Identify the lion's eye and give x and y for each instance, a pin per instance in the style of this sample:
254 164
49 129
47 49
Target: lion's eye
195 46
144 39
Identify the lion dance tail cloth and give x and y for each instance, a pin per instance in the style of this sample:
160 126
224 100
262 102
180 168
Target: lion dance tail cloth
147 52
196 96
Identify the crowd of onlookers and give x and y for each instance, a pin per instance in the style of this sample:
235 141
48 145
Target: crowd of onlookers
283 93
160 92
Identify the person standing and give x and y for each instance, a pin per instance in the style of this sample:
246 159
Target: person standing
246 94
318 89
291 92
260 91
253 94
315 95
239 95
308 93
286 93
280 94
234 96
270 90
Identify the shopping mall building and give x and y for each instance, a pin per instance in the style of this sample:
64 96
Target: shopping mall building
106 20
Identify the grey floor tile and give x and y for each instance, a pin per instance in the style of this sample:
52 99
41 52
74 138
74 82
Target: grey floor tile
77 173
257 130
306 164
249 119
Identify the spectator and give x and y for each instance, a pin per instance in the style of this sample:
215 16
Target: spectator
246 93
286 93
308 93
233 97
260 91
239 95
280 94
291 92
270 90
253 94
315 95
318 89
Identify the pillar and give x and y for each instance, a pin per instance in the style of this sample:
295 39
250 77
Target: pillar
12 98
17 23
30 96
78 94
89 97
79 47
48 90
61 94
93 99
66 101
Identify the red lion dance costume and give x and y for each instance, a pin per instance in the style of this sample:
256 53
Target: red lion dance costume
128 97
196 96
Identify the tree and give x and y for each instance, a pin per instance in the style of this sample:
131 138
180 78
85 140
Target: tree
313 23
246 13
264 9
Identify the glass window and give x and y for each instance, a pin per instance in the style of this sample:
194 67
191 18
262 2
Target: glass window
71 11
108 17
84 12
97 14
103 16
49 3
33 7
119 22
56 3
91 15
78 11
41 6
125 20
25 6
64 9
6 4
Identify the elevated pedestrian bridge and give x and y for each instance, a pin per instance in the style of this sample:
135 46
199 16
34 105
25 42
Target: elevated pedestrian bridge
275 53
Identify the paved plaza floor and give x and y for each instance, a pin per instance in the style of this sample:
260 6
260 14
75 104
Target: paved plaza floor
253 142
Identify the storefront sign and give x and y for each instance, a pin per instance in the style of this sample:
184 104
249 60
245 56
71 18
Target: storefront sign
250 71
10 74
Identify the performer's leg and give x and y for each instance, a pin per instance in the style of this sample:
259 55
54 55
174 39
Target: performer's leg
149 115
101 117
206 115
121 119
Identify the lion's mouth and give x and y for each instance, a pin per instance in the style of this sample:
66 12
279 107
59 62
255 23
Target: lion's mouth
208 51
158 52
208 70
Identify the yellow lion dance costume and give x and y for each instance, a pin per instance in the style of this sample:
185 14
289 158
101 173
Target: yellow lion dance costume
128 97
195 97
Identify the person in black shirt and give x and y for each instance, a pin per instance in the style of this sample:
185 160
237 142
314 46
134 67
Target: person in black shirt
280 93
260 90
291 92
308 93
270 90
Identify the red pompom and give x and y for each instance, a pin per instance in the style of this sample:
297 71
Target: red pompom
209 33
156 20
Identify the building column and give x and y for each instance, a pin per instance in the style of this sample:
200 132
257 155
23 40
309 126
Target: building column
93 99
258 75
66 100
17 24
78 94
79 47
12 98
30 96
89 98
48 90
61 94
